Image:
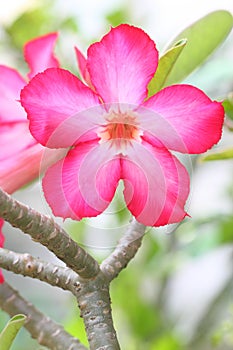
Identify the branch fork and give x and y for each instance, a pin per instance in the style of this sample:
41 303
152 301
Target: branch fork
83 277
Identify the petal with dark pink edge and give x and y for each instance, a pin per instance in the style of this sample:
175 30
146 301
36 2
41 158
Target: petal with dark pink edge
82 62
39 54
1 245
84 182
183 118
59 109
82 67
156 185
22 159
15 137
11 82
26 167
1 277
122 64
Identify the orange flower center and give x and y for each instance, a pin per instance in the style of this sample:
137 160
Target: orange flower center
121 128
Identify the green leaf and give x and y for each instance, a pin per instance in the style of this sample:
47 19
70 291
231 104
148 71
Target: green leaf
29 25
166 63
166 342
10 331
117 17
228 106
220 155
225 230
203 37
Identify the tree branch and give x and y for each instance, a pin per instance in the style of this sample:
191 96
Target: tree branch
95 306
44 230
92 295
124 251
91 289
41 327
26 265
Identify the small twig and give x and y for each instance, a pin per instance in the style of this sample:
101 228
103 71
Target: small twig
124 251
26 265
44 230
41 327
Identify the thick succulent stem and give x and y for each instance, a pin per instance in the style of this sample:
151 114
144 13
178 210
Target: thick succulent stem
124 251
95 306
44 230
39 326
27 265
83 277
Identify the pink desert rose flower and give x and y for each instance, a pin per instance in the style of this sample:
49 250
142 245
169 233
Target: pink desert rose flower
20 153
113 132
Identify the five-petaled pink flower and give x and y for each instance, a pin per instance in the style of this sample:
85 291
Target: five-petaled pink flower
20 153
112 131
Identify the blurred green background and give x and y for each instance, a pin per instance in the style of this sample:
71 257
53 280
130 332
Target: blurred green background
177 293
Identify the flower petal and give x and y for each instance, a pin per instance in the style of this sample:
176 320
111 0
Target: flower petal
21 158
122 64
1 245
39 55
156 185
82 184
59 105
1 277
15 137
183 118
11 83
82 67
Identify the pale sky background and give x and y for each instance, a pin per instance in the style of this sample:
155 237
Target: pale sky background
159 17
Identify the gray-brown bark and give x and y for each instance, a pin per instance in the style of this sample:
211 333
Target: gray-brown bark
44 230
41 327
26 265
83 277
124 251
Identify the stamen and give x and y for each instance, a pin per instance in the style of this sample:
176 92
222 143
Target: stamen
120 129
